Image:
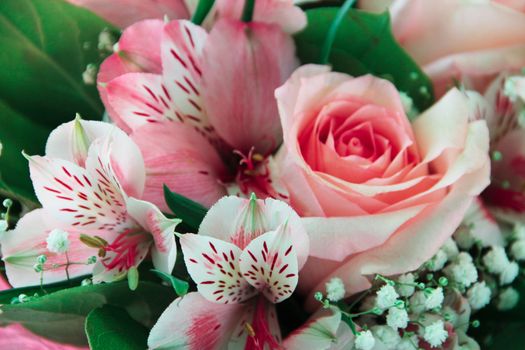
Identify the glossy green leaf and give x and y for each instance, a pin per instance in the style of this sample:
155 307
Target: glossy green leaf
61 315
364 44
18 133
110 327
179 286
190 212
46 46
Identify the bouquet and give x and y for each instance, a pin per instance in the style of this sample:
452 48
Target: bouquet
262 174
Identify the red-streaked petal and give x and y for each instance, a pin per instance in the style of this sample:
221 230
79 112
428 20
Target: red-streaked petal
269 263
240 220
213 265
76 198
182 46
242 66
195 323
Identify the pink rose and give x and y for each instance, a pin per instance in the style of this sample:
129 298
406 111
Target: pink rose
379 195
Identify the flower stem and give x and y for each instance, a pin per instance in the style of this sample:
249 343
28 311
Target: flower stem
247 12
67 267
330 36
203 7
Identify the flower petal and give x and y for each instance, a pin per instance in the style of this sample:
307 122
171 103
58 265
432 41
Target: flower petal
179 157
22 246
239 220
213 265
195 323
269 263
164 252
242 66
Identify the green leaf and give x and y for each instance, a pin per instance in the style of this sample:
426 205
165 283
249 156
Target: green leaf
111 327
46 45
18 133
60 316
7 295
179 286
364 44
184 208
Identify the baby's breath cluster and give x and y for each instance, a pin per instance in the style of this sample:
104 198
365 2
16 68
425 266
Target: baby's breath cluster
433 307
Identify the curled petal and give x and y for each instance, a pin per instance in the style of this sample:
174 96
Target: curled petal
164 251
214 266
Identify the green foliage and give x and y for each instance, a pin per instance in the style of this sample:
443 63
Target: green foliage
179 286
191 213
61 315
363 44
111 327
46 46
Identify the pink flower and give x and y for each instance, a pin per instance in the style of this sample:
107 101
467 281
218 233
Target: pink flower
87 184
379 195
245 259
123 13
457 40
212 101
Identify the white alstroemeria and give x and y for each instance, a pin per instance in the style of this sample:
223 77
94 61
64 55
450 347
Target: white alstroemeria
245 259
87 184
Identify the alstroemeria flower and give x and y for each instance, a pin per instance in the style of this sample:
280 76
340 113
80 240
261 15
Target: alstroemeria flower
505 99
245 259
212 101
88 183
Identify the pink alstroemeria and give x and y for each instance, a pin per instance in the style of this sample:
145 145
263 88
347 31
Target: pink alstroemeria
245 259
212 101
88 183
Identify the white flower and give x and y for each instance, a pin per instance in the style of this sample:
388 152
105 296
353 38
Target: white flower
509 274
479 295
464 257
462 272
417 302
451 249
435 334
434 298
386 297
57 241
508 299
438 261
335 289
405 287
496 260
450 315
364 340
397 318
518 250
387 336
